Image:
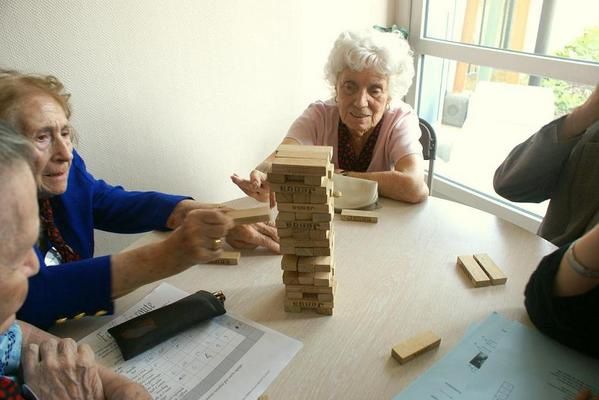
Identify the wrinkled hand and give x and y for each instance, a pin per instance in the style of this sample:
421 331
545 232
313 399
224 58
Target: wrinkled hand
185 206
586 394
257 187
193 241
251 236
60 369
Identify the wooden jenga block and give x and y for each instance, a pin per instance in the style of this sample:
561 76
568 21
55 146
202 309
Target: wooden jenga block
324 311
286 216
318 235
294 178
322 251
408 349
316 198
297 188
495 273
289 262
294 295
276 178
301 235
359 215
311 289
320 181
227 258
301 151
474 272
300 166
306 207
298 198
314 264
303 216
302 303
291 278
306 278
307 225
285 232
323 278
284 197
304 251
250 215
326 297
307 243
322 217
288 250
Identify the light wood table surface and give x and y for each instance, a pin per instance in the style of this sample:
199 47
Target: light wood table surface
395 279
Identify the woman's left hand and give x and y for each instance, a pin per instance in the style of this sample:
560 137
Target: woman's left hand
253 235
257 186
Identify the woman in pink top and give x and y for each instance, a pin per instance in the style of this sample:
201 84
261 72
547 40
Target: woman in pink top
370 138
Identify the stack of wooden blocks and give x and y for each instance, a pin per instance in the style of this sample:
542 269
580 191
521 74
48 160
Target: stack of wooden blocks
301 177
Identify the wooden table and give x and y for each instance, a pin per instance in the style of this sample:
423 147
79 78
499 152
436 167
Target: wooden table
395 279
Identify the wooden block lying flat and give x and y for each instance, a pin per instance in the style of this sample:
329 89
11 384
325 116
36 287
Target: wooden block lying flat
285 197
306 207
227 258
250 215
311 289
296 188
309 225
495 273
314 264
408 349
359 215
300 166
301 151
471 268
297 198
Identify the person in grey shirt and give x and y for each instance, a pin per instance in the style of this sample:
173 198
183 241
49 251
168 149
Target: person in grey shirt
560 163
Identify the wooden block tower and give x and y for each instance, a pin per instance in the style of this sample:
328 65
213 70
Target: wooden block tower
301 177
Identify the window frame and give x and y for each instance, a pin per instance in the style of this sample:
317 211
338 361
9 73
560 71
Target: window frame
412 13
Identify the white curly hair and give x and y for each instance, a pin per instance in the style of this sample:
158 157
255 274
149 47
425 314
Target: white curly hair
387 53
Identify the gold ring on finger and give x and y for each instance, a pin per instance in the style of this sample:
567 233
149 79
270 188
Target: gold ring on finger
216 244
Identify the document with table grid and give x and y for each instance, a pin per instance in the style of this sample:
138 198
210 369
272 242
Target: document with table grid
225 358
501 359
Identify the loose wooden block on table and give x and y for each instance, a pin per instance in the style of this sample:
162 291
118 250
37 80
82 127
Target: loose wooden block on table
227 258
408 349
474 271
493 271
359 215
250 215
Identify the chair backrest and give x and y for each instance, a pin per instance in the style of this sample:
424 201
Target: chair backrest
428 139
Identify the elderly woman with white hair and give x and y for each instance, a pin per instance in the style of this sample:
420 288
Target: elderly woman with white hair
373 133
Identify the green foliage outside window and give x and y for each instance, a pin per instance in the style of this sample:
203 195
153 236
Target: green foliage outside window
569 95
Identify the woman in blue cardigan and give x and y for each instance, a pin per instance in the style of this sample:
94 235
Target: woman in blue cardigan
73 203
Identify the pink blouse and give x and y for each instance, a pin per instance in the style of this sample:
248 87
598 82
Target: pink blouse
399 135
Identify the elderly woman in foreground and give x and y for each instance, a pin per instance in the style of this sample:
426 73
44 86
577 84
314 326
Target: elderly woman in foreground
34 364
72 282
373 133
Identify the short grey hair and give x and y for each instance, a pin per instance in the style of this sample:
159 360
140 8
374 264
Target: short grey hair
16 151
388 53
14 148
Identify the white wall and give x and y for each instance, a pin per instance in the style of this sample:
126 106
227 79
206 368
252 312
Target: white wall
177 95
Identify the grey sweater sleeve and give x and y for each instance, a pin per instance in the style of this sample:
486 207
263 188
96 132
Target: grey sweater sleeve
532 169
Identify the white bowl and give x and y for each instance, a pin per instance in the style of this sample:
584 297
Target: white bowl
355 192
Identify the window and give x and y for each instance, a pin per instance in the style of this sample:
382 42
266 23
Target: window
491 73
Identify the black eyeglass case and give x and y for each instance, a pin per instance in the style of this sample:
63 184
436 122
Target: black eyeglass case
150 329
